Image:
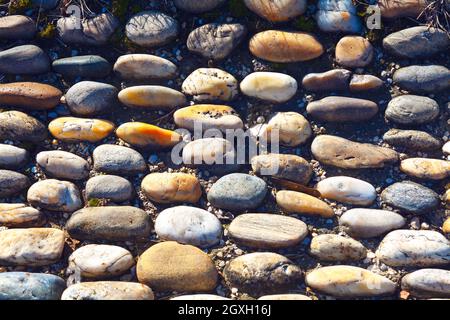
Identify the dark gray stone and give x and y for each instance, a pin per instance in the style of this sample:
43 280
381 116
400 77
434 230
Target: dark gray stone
118 160
89 98
427 79
26 59
412 140
16 125
412 110
17 27
82 66
110 187
12 182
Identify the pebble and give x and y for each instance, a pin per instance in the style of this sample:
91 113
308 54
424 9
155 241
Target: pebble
55 195
414 248
30 286
412 110
446 148
354 52
33 247
446 225
237 191
285 47
146 135
283 166
165 187
89 98
16 125
120 160
346 154
412 140
210 84
424 168
109 187
152 97
189 225
73 129
194 6
427 283
113 223
100 261
332 80
208 116
410 197
426 79
19 215
108 290
349 282
12 183
392 9
267 231
170 266
151 29
338 16
17 27
370 223
201 297
278 10
301 203
347 190
365 82
262 273
63 165
29 95
143 67
292 127
26 59
333 247
269 86
342 109
216 41
12 157
88 66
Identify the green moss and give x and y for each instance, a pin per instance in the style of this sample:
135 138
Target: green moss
19 6
48 32
238 8
94 202
304 24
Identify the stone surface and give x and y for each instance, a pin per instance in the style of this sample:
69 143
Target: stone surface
332 80
278 10
446 225
143 67
63 165
88 98
55 195
109 187
108 290
73 129
267 231
412 110
12 183
354 52
426 79
293 128
209 116
412 140
332 247
189 225
12 157
30 286
427 283
302 203
151 97
262 273
32 247
112 223
29 95
146 135
26 59
269 86
365 82
346 154
16 125
370 223
19 215
170 266
446 148
392 9
412 248
347 190
291 296
424 168
237 191
338 16
120 160
284 47
165 187
195 6
89 66
342 109
16 27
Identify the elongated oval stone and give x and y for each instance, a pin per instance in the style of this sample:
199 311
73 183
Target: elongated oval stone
412 140
333 247
116 159
30 286
347 190
333 80
63 165
26 59
78 129
12 157
302 203
88 98
428 283
30 95
278 10
108 290
269 86
89 66
365 82
342 109
109 187
391 9
349 282
12 182
15 27
144 67
208 116
423 168
55 195
146 135
283 46
267 231
426 79
19 215
412 110
16 125
155 97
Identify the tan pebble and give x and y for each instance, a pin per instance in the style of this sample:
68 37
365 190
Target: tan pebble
301 203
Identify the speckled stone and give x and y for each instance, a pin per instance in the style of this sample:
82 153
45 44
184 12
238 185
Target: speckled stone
109 187
412 110
342 109
412 140
55 195
16 125
143 67
30 95
208 116
427 283
30 286
425 168
347 190
108 290
426 79
12 157
333 247
120 160
89 66
26 59
19 215
11 183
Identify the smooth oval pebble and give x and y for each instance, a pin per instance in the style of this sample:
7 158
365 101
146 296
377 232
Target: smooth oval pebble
342 109
151 97
33 247
347 190
12 182
27 59
267 231
412 140
16 125
109 187
424 168
120 160
269 86
414 248
365 82
30 95
412 110
237 191
301 203
108 290
17 27
19 215
278 10
63 165
88 98
89 66
333 247
142 67
262 273
293 128
427 283
100 261
391 9
426 79
349 282
12 157
146 135
338 16
354 52
189 225
170 266
210 84
195 6
285 47
114 223
30 286
55 195
446 148
332 80
165 187
78 129
370 223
